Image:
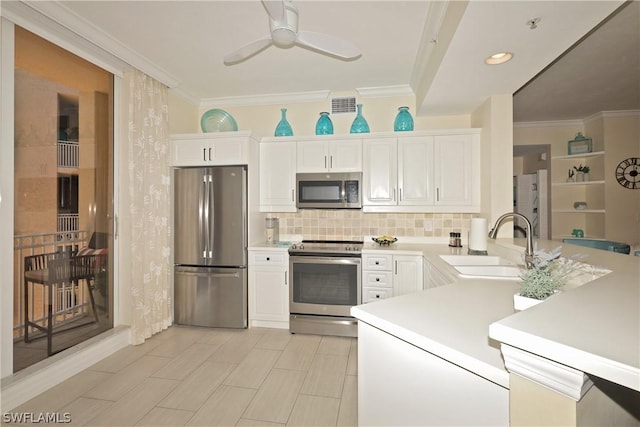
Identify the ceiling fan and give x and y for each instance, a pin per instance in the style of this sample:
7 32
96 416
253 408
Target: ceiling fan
283 20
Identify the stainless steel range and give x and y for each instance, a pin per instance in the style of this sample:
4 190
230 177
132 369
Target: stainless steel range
325 282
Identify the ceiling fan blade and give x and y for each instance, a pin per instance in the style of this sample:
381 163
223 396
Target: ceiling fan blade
247 51
334 46
275 9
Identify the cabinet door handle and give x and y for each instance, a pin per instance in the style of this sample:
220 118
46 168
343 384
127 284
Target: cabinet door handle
437 194
394 194
331 162
285 278
400 194
325 162
396 266
293 195
204 154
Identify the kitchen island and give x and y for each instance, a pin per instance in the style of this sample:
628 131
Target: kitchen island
435 357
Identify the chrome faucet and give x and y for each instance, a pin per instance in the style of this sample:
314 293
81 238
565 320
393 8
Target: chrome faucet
528 252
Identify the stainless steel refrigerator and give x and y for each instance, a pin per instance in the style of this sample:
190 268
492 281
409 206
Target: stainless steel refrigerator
210 242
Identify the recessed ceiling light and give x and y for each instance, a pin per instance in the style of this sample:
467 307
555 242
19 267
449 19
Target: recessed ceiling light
499 58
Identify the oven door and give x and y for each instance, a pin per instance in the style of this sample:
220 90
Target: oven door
323 285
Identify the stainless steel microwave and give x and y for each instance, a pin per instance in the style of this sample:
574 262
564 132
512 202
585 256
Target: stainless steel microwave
329 190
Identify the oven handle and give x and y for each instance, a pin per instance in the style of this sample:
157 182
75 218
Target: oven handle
306 259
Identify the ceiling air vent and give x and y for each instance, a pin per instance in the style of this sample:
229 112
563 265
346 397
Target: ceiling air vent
343 105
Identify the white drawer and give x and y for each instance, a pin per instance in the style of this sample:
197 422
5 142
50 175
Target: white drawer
373 294
267 258
377 262
379 279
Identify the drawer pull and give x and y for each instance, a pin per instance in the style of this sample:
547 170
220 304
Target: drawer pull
377 295
268 259
377 262
377 279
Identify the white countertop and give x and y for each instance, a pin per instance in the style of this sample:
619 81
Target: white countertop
594 328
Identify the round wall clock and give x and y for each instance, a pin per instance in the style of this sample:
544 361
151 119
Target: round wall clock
628 173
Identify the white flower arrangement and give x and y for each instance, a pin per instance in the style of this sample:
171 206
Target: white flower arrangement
550 272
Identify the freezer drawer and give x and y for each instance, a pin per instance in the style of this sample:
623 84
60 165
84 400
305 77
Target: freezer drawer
209 296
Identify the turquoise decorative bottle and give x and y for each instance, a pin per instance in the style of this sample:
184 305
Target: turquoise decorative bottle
324 126
404 121
359 125
283 128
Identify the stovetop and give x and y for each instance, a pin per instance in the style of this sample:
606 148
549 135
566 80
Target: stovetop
327 247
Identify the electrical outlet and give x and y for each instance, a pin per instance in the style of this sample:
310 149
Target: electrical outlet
428 225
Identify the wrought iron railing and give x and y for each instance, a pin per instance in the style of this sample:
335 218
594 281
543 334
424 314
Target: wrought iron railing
68 302
68 222
68 154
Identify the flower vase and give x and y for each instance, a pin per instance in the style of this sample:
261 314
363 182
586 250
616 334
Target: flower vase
324 126
359 125
579 176
283 128
403 121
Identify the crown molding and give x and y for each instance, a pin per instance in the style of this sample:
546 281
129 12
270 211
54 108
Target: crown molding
611 114
267 99
85 33
562 379
549 124
385 91
579 122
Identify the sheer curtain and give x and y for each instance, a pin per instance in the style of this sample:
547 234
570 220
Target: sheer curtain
149 205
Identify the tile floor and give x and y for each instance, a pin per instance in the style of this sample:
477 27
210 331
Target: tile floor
189 376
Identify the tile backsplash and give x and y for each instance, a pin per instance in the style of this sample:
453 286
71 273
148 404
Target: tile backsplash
354 224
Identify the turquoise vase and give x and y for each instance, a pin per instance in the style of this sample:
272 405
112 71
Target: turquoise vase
283 128
324 125
404 121
359 125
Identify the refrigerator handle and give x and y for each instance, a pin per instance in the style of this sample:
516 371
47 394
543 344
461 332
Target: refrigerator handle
204 217
212 218
217 275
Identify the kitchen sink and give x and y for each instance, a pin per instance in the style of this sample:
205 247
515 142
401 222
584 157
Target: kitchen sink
455 260
489 271
483 266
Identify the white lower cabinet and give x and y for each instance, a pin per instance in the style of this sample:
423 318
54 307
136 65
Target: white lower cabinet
384 275
407 274
269 288
400 384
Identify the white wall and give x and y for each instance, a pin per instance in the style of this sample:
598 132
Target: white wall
495 117
615 133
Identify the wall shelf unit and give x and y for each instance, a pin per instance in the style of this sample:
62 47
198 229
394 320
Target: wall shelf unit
565 192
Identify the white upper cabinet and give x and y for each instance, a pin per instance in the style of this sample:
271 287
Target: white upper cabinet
422 172
380 177
454 170
210 149
415 172
277 176
321 155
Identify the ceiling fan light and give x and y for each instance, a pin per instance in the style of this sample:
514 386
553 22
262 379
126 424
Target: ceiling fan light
283 37
498 58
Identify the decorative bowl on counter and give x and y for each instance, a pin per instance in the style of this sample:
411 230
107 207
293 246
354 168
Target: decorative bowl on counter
384 240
